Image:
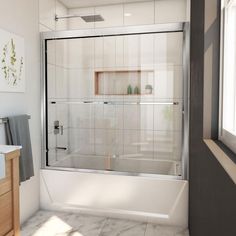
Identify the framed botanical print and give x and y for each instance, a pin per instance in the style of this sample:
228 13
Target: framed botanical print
12 62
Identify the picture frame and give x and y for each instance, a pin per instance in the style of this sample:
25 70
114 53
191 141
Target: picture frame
12 62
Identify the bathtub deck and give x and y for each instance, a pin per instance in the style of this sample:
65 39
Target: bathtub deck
48 223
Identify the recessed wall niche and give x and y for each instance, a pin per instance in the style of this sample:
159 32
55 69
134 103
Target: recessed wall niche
124 82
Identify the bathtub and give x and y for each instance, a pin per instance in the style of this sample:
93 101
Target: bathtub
159 200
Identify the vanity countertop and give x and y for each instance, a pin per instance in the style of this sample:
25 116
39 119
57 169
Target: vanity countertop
5 149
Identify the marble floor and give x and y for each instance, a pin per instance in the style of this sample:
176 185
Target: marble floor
47 223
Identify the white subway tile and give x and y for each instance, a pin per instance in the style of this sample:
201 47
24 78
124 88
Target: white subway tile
147 50
146 144
168 82
109 54
132 117
120 51
170 11
98 114
51 80
113 16
168 49
81 53
79 23
62 53
47 11
51 117
81 116
62 114
168 117
61 10
132 51
146 117
99 51
43 28
108 142
61 82
51 141
81 83
62 141
130 141
140 13
167 145
81 141
51 52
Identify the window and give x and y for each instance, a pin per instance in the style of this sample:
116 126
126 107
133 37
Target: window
228 77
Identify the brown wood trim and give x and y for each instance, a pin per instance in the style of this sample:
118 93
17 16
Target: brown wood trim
12 155
15 187
6 209
6 183
9 202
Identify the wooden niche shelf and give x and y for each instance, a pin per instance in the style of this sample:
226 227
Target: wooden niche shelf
116 82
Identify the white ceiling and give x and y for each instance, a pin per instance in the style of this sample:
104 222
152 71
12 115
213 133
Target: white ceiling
92 3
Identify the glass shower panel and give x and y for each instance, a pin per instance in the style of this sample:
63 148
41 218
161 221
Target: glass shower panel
57 95
115 103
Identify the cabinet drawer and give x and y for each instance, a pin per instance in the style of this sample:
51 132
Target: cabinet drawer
6 183
6 217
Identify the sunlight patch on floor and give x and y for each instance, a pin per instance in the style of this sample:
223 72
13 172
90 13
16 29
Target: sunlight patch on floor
56 226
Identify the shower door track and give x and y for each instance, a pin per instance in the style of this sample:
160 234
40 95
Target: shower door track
110 172
115 103
183 27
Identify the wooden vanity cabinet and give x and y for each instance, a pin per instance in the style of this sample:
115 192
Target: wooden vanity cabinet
9 196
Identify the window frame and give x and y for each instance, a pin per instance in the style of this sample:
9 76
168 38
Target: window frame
228 138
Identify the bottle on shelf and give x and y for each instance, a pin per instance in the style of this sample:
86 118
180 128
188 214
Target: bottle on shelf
129 90
136 90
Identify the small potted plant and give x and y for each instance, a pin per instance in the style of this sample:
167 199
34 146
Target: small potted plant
148 89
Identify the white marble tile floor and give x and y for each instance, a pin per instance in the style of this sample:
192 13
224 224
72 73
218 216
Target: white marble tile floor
48 223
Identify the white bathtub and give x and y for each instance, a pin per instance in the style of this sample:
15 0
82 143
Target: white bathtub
157 200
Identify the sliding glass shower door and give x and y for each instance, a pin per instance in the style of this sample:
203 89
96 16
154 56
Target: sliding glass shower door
115 103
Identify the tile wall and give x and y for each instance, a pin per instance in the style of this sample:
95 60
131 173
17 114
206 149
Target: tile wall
140 13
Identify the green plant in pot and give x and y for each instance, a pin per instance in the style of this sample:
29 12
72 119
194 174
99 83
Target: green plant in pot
148 89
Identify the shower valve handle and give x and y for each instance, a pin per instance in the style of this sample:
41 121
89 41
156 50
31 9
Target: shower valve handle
58 128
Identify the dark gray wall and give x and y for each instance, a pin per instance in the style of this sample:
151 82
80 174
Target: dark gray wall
212 197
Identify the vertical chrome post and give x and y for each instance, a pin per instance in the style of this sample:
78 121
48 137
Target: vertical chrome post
43 103
186 98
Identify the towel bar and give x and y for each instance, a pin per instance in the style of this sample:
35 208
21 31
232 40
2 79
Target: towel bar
4 120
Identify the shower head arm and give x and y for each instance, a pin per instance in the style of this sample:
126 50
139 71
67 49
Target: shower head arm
66 17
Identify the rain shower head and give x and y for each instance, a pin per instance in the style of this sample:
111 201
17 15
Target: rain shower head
86 18
92 18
